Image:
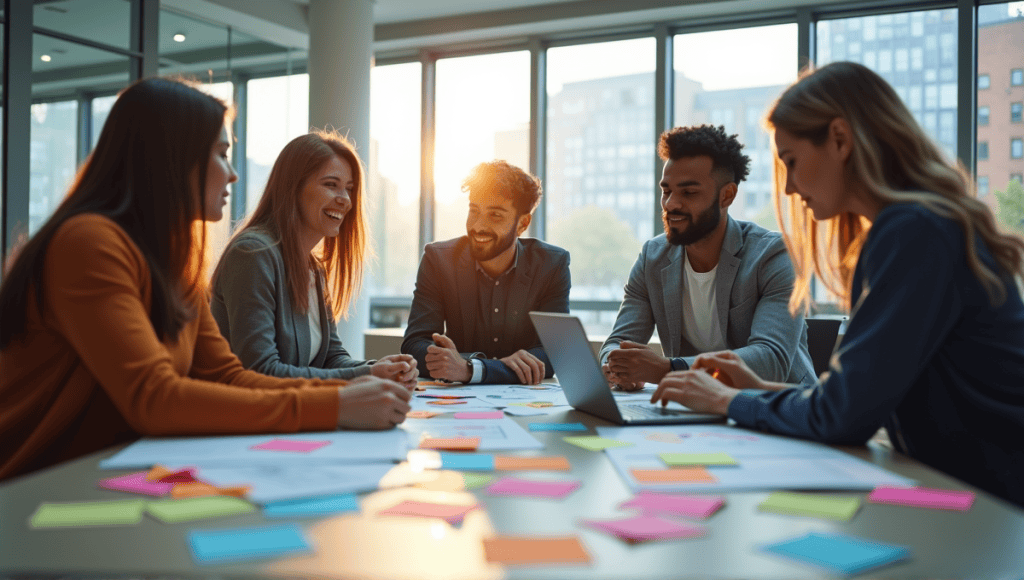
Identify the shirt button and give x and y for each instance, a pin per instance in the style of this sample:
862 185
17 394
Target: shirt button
495 339
495 309
497 283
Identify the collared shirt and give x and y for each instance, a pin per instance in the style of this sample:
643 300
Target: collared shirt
492 314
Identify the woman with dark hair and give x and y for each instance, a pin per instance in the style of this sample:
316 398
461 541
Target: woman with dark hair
288 274
105 333
934 349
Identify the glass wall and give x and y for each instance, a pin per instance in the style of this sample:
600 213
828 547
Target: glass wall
278 112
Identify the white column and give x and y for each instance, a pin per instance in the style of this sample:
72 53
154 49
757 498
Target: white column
340 57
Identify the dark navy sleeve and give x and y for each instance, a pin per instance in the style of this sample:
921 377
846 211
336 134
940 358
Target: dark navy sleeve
908 303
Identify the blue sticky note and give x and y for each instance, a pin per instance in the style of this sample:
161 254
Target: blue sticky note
217 546
317 506
467 461
557 427
840 553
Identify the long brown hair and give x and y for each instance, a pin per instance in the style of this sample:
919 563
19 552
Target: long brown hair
339 258
893 160
147 174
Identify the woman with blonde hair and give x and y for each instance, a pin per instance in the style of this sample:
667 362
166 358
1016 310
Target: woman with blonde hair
934 349
296 265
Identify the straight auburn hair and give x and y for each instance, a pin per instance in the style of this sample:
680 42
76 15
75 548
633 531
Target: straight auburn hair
147 174
894 161
340 259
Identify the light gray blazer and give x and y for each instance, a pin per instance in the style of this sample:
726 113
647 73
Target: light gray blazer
753 284
250 301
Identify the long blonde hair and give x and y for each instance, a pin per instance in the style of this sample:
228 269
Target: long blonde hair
894 161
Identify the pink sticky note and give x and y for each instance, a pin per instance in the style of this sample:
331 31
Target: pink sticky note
515 486
452 514
682 505
944 499
136 483
642 528
292 445
480 415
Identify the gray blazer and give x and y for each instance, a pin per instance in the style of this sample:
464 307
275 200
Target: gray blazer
250 301
753 285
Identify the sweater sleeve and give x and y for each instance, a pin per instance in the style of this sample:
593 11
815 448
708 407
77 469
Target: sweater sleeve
907 306
93 282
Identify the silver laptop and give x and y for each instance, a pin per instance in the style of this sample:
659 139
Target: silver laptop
586 388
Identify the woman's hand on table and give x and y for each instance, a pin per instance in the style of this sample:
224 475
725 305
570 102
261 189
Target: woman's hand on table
372 403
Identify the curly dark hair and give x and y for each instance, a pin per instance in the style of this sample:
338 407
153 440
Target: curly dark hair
724 150
502 178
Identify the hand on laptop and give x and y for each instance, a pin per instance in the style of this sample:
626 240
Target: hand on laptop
695 389
617 383
635 363
445 362
527 367
732 371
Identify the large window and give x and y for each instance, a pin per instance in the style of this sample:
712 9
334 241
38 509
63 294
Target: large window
52 158
278 112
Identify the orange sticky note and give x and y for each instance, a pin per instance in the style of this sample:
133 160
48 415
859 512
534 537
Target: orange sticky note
451 443
446 402
516 550
678 475
421 414
157 473
556 463
194 489
237 491
540 404
452 514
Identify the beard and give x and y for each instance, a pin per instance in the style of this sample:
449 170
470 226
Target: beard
490 250
705 223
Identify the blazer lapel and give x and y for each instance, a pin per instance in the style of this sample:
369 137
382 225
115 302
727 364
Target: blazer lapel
325 324
519 297
728 264
466 294
672 298
300 328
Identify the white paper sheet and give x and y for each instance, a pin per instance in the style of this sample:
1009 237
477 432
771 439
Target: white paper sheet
494 434
278 483
765 461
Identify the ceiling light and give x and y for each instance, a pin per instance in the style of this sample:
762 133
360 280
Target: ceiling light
179 37
45 58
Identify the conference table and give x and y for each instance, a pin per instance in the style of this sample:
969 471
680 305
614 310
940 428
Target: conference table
985 542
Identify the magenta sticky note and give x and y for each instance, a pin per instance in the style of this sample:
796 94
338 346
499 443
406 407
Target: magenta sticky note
943 499
646 527
515 486
136 483
293 445
480 415
682 505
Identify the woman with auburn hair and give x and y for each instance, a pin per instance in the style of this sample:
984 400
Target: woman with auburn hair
934 348
105 333
288 274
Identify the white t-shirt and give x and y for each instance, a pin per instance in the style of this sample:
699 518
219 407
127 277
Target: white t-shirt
700 311
315 337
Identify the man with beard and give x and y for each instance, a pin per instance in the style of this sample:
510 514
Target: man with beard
709 283
468 322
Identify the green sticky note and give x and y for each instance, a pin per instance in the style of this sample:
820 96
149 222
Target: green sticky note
88 513
718 458
594 443
832 507
172 511
474 480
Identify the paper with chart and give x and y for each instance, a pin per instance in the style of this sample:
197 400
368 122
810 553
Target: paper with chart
345 447
763 461
493 433
275 483
543 399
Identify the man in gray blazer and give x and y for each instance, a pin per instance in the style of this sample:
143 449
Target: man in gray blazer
468 322
708 283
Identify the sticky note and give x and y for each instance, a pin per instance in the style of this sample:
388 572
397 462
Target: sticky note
452 514
505 463
840 553
675 475
593 443
136 483
832 507
689 459
181 476
467 461
517 550
480 415
945 499
157 472
646 527
88 513
291 445
557 427
514 486
446 402
172 511
451 443
540 404
216 546
445 396
194 489
317 506
476 480
421 414
681 505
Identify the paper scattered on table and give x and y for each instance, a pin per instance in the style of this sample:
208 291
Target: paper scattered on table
675 475
689 506
832 507
525 411
646 527
493 434
136 483
689 459
467 461
291 445
270 483
317 506
88 513
945 499
172 511
840 553
557 427
517 550
506 463
594 443
480 415
233 545
453 514
514 486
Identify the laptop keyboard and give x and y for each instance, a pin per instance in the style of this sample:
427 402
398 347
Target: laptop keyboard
647 411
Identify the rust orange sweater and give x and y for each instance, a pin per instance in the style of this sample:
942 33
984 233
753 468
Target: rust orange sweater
91 372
